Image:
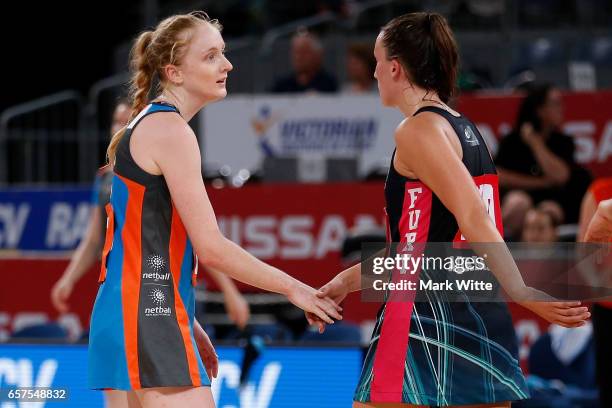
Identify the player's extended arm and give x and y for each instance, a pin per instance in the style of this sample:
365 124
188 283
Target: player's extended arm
587 211
175 150
600 227
423 147
82 259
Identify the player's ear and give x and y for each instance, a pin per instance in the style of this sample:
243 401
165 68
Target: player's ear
173 74
396 69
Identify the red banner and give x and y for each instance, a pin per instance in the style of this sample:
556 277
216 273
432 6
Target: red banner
297 228
25 295
587 118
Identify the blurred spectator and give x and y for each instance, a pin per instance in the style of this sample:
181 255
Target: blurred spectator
338 7
514 207
539 226
562 369
307 62
279 12
360 66
553 209
537 159
478 13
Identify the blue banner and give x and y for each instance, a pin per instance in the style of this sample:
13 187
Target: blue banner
282 376
43 219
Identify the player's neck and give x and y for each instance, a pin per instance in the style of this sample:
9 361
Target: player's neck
186 107
411 102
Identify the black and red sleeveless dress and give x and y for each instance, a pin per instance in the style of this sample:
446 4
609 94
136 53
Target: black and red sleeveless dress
435 351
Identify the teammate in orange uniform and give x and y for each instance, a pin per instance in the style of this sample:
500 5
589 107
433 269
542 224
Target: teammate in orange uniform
144 340
440 352
596 226
90 246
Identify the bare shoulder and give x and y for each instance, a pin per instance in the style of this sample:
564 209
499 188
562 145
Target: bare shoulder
166 128
163 137
426 128
427 131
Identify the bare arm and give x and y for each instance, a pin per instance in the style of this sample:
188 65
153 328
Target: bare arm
587 211
593 227
424 150
88 250
600 227
452 183
82 259
436 164
350 278
174 149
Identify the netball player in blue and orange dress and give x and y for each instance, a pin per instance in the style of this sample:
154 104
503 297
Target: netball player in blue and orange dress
144 339
438 352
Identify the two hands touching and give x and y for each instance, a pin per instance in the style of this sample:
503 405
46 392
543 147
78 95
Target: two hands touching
336 290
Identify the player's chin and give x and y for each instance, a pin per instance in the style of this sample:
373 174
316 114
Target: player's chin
221 93
217 95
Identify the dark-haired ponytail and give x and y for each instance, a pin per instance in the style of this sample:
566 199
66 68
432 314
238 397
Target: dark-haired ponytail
425 46
448 58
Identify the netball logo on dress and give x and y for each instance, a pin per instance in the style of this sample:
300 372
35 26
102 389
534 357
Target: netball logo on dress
470 136
157 264
158 297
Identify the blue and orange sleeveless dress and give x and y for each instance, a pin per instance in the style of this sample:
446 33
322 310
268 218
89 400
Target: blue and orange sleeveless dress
441 352
141 332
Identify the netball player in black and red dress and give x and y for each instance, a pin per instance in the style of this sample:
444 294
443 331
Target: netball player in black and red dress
441 187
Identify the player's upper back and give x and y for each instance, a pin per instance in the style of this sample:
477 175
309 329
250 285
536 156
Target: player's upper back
404 193
125 164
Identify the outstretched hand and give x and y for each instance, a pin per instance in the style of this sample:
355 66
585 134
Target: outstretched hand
207 351
61 293
335 290
310 300
564 313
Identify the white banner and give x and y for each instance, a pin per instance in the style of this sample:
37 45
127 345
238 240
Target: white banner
240 131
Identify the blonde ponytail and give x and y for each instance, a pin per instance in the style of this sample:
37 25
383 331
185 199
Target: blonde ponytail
143 71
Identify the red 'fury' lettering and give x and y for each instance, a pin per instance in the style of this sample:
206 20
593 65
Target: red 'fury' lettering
487 185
